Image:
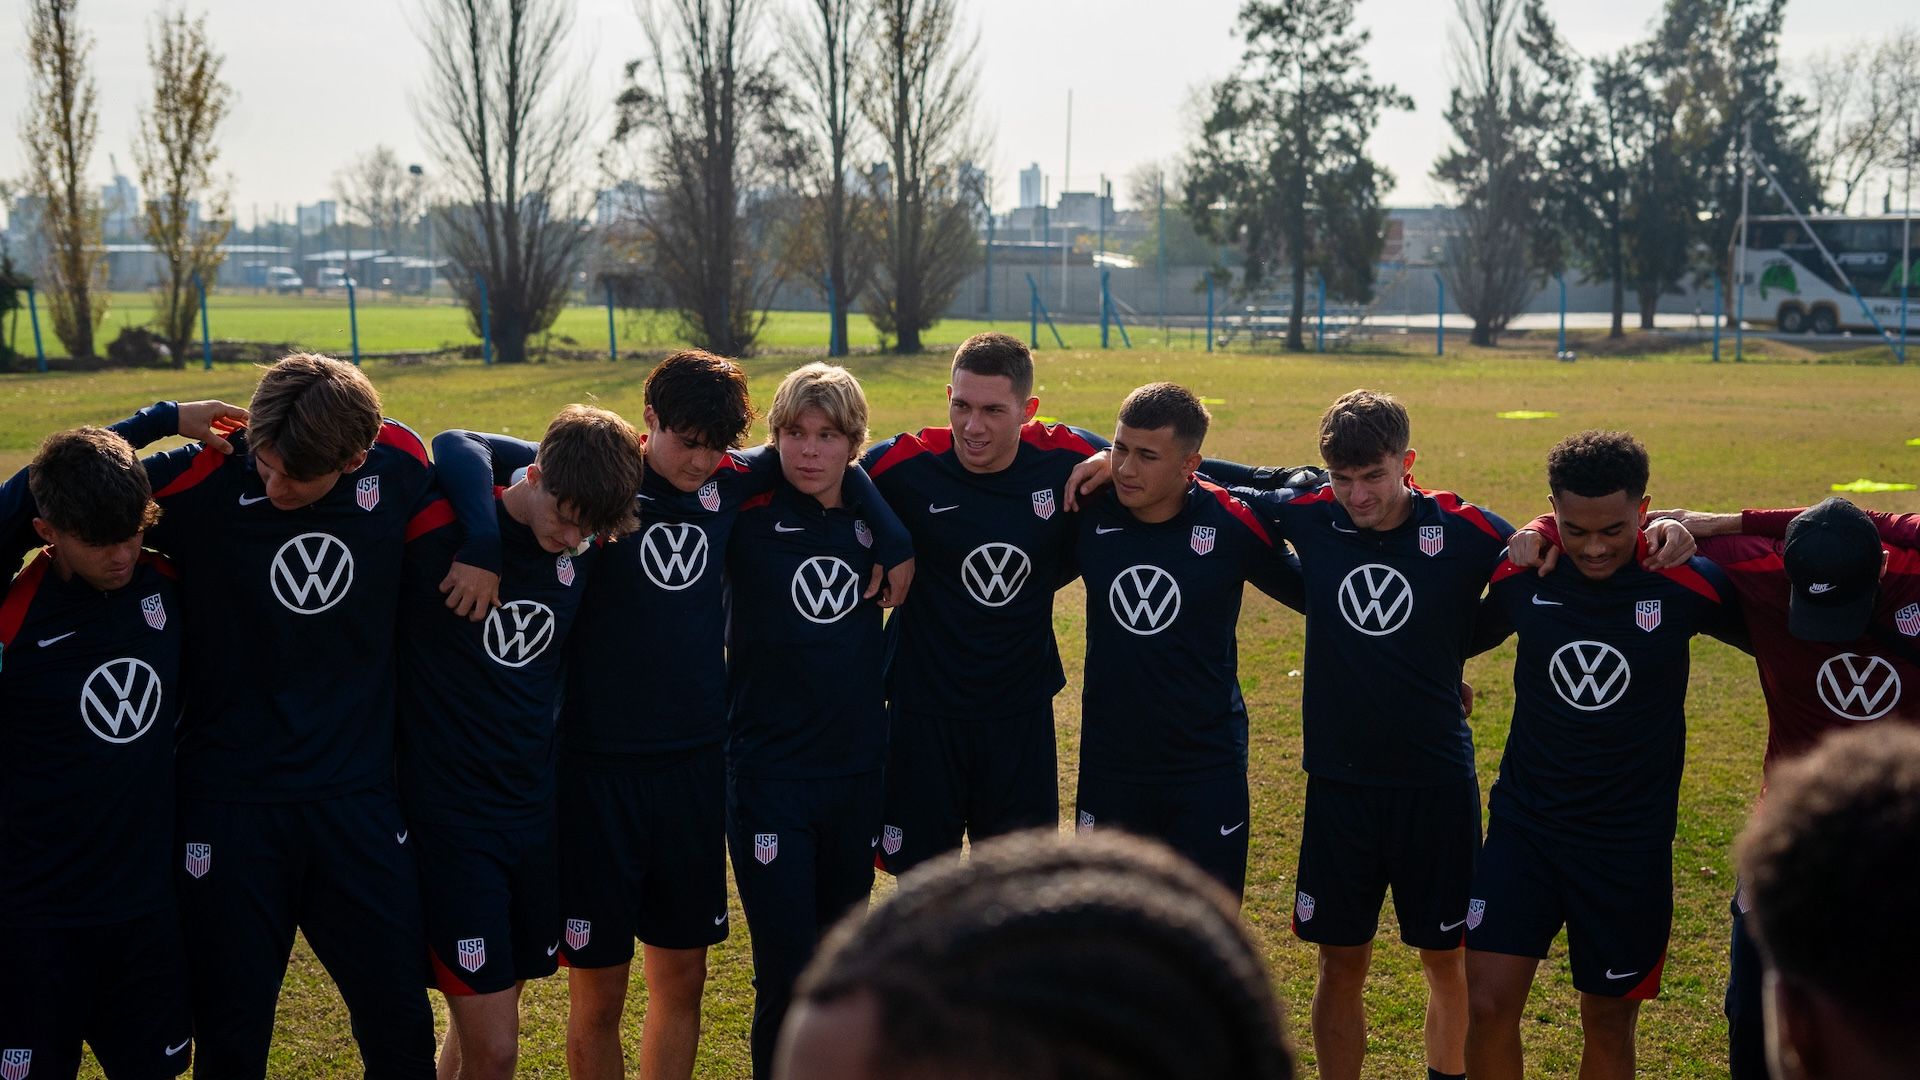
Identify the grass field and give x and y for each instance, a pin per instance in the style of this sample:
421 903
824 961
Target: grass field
1721 437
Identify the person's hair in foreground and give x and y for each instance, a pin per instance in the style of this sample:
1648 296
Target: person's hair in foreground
315 412
1362 427
702 396
88 483
590 462
1168 405
1594 464
994 353
1832 851
831 389
1097 955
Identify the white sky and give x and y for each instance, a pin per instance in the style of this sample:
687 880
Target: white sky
318 83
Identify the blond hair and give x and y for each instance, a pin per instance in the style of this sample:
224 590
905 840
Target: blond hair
831 389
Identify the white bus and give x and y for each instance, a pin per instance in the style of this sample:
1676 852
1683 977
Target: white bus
1791 287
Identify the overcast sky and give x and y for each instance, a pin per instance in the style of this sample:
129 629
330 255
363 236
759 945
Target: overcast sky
318 83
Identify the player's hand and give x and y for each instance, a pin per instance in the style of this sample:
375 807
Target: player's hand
209 422
471 591
1529 548
1699 523
1088 477
1466 700
890 585
1669 544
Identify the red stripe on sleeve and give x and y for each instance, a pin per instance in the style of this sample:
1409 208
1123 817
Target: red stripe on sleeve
729 463
763 499
399 436
1454 504
160 563
1055 437
205 464
1689 577
929 441
1239 510
13 611
435 515
1506 570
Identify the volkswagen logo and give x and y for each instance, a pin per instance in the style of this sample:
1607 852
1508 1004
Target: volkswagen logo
311 573
120 700
1589 675
994 573
517 632
825 589
1145 599
673 554
1375 599
1858 687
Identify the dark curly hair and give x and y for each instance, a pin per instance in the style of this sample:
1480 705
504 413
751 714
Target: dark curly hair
88 482
1099 956
1596 463
1832 850
701 396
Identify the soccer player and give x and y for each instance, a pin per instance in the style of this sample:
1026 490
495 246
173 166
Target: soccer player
1584 810
1163 743
1831 852
477 738
807 713
642 769
290 552
90 947
974 665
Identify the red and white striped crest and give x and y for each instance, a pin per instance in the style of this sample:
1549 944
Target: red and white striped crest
862 533
366 493
1043 503
563 569
1432 539
579 932
1646 615
1908 620
154 612
1202 539
890 838
15 1064
1302 907
199 860
1476 910
472 952
710 495
766 846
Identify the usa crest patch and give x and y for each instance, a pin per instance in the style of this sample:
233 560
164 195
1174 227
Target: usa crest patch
1433 538
710 495
563 569
1646 615
1202 539
766 847
862 533
1476 910
199 860
15 1064
472 953
366 493
1043 503
579 932
890 838
1084 823
1908 620
1303 907
154 612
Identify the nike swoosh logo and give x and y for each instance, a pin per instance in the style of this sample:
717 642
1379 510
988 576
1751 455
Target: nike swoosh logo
1448 928
1622 975
1337 527
46 641
875 842
553 948
1546 603
646 498
779 527
932 509
402 835
245 501
1224 831
1102 530
172 1050
720 918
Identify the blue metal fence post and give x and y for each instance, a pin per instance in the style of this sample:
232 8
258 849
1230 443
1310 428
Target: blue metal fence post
986 282
1716 316
1739 314
1209 312
33 312
833 319
1320 328
1105 300
1033 314
1562 279
1440 318
206 340
613 341
486 321
353 320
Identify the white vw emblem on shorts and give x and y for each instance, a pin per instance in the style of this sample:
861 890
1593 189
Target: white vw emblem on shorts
1302 907
311 573
994 572
120 700
1859 688
1144 599
1375 599
825 589
472 952
673 554
1589 675
766 846
517 633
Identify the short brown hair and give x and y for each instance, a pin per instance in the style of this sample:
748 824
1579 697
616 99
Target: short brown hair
831 389
88 482
1831 850
315 412
590 462
1165 404
701 395
997 354
1363 427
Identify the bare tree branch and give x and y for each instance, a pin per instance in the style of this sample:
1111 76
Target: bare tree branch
58 131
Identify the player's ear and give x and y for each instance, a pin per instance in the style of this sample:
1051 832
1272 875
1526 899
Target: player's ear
533 475
1793 1027
43 530
1645 501
1033 406
354 463
1191 464
1406 463
1884 556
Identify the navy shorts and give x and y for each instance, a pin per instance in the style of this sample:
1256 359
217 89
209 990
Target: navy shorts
1357 842
1205 820
643 854
951 776
120 989
803 857
1617 907
492 904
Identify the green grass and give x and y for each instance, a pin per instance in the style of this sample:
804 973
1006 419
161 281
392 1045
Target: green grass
1721 437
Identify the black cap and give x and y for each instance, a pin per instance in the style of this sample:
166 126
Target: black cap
1833 558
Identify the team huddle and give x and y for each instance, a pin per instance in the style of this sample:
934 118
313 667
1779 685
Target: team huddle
469 713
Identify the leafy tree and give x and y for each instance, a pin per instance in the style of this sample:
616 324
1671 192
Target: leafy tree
1281 167
382 193
59 129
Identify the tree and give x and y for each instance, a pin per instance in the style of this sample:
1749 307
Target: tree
61 124
1500 109
920 95
506 130
1859 111
709 109
1281 163
175 148
382 193
834 242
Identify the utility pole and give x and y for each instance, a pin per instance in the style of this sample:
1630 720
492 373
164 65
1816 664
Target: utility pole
1066 186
